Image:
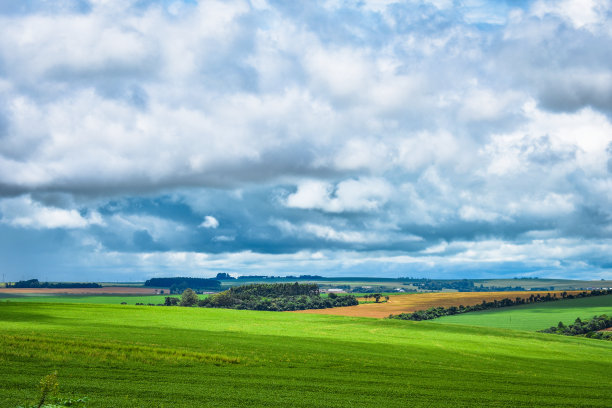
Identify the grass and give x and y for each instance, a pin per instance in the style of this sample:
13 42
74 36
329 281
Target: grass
124 356
535 316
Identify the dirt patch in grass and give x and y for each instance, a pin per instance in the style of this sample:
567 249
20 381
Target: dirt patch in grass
106 290
422 301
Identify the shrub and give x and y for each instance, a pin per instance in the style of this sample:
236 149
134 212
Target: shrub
49 386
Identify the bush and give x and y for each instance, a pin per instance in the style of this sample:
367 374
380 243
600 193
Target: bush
171 301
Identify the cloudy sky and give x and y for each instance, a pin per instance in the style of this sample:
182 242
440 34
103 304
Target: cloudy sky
439 138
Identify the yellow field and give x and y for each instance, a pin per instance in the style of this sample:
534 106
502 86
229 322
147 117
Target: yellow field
421 301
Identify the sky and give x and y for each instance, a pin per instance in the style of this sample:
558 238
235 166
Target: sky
438 139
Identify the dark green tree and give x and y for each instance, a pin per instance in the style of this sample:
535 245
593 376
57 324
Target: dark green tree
171 301
189 298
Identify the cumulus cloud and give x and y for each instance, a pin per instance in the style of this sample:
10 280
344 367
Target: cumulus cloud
579 13
209 222
366 194
26 213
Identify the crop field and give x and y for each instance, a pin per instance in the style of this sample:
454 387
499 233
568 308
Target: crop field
123 356
420 301
106 299
106 290
535 316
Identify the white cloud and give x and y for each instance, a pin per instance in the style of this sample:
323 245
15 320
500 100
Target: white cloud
365 194
330 234
579 13
573 140
550 205
209 222
224 238
341 233
26 213
471 213
342 72
482 103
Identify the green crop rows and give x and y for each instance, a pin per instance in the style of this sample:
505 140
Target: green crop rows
124 356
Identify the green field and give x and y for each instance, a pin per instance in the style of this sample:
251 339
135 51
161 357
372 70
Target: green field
104 299
558 284
92 299
535 316
128 356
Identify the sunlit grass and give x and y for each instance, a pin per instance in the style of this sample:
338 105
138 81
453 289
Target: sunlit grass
124 356
536 316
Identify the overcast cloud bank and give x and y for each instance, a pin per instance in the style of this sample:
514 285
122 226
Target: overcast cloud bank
434 138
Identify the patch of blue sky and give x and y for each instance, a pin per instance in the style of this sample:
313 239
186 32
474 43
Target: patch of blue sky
21 7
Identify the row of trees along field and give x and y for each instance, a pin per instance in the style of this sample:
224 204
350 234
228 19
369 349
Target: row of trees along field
463 285
436 312
592 328
266 296
376 296
34 283
179 284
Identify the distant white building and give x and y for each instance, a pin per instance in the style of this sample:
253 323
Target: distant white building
334 290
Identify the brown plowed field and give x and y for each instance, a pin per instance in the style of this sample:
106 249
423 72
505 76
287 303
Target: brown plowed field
106 290
421 301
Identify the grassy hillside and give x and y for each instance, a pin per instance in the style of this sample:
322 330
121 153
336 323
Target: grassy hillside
124 356
535 316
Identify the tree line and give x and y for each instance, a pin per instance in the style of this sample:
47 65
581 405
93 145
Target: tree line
435 312
275 289
463 285
34 283
591 328
179 284
376 296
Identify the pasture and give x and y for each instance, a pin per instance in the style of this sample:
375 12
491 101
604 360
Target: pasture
122 356
535 316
